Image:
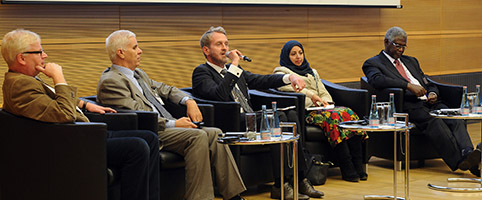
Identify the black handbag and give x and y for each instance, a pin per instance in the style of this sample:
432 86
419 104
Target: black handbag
317 169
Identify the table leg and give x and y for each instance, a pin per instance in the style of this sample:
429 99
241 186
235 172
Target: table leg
295 169
282 172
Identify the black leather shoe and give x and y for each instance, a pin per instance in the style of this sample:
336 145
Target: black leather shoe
475 170
473 159
307 188
276 193
363 176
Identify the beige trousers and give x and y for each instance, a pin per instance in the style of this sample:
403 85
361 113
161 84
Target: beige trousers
202 153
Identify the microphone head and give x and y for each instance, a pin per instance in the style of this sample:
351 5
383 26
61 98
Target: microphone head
246 58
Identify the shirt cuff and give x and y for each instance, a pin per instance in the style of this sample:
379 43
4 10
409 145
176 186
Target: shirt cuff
286 79
183 100
171 123
61 84
235 70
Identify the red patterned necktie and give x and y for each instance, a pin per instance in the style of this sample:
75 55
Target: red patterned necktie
400 69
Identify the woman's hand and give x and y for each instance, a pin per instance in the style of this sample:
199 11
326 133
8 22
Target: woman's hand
318 101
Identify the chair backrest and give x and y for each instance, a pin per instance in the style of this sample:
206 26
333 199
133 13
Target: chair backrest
42 160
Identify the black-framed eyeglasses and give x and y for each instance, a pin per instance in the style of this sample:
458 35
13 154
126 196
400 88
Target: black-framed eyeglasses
398 46
33 52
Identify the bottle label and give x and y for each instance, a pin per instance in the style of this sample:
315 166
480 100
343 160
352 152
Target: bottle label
478 109
391 121
276 133
374 122
465 111
266 135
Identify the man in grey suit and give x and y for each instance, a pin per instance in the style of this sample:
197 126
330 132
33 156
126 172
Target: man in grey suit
123 85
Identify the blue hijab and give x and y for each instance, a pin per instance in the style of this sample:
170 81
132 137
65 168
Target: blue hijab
284 59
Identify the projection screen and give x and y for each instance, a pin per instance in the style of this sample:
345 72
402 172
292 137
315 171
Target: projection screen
375 3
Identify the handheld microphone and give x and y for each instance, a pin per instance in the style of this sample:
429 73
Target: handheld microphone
245 58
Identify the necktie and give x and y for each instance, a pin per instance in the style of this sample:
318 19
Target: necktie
240 96
400 69
150 97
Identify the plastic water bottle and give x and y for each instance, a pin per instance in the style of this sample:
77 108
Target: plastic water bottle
374 121
264 128
477 103
276 129
391 111
464 104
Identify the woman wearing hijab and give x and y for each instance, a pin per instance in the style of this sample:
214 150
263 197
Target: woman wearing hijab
346 144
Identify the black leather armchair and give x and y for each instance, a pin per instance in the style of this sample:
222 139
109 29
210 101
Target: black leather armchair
227 118
381 144
316 143
46 161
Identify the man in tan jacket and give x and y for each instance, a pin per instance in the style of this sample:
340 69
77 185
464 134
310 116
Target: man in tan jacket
133 152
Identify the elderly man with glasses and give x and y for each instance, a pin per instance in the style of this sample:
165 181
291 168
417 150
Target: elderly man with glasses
391 69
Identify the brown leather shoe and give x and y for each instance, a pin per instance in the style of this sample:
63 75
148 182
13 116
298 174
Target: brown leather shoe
307 188
276 193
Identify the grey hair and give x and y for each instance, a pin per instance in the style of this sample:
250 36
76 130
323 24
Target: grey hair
206 37
16 42
117 40
395 32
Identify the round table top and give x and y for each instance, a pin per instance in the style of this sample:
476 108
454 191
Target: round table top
469 116
398 127
287 138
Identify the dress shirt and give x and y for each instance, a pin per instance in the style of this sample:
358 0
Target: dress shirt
413 80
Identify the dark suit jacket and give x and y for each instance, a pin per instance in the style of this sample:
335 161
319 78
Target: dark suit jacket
207 83
381 74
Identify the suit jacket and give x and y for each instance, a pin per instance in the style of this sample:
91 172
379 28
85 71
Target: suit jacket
23 95
313 85
207 83
381 74
116 90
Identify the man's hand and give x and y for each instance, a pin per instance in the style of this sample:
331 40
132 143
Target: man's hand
297 83
98 109
432 98
233 55
416 89
317 101
184 122
53 71
193 111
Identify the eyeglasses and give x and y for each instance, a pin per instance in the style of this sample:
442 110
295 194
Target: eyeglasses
398 46
33 52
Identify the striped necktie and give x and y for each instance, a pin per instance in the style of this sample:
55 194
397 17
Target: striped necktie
150 97
240 96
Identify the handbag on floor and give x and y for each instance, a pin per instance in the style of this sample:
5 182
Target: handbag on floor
317 169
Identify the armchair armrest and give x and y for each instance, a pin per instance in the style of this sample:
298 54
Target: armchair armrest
226 114
451 95
38 156
383 95
356 99
115 121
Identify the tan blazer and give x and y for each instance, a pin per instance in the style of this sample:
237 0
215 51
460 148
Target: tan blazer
25 96
115 89
313 85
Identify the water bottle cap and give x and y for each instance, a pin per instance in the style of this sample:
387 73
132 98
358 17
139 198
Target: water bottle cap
391 94
477 85
465 87
274 102
374 95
